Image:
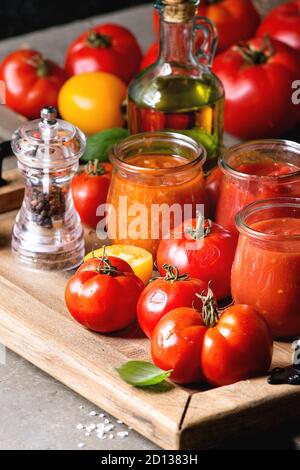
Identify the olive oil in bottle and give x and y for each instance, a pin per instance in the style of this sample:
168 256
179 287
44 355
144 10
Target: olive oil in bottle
179 92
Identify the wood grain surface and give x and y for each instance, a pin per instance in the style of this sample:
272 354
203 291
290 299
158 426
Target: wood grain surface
11 195
34 323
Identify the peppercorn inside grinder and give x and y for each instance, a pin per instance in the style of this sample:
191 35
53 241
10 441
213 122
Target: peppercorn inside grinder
48 234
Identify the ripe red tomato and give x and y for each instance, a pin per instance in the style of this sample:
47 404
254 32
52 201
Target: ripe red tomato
103 295
31 82
208 258
213 183
89 190
235 20
165 294
283 24
150 57
262 71
106 48
176 344
221 349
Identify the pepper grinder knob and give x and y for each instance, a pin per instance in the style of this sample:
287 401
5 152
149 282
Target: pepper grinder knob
49 115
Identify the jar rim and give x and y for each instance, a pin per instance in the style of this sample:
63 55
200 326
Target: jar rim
143 139
260 206
258 145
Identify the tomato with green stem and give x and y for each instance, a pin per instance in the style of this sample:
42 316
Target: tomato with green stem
103 295
166 293
263 71
219 347
105 48
90 189
31 82
203 250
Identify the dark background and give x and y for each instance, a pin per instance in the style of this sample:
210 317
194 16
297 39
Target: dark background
22 16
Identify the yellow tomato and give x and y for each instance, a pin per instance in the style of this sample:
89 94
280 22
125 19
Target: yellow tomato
139 259
92 101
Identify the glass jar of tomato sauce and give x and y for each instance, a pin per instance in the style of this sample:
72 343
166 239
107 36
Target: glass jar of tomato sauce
266 269
157 183
256 170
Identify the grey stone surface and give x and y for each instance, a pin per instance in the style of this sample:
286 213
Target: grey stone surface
39 413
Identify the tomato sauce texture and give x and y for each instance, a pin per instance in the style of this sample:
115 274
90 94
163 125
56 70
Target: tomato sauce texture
266 274
256 180
163 185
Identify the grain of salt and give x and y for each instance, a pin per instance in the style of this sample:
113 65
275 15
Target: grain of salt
109 428
123 434
100 431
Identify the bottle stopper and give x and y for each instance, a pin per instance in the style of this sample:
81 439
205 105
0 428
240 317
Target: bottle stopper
178 11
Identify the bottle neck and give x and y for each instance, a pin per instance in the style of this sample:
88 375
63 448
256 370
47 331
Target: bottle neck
176 42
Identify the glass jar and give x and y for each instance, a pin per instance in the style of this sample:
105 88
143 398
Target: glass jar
256 170
179 91
48 234
266 269
157 183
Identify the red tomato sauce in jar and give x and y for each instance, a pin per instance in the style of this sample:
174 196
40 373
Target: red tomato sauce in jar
251 175
154 180
266 270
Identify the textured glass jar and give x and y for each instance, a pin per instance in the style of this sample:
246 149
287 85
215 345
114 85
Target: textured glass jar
266 270
48 234
257 170
150 170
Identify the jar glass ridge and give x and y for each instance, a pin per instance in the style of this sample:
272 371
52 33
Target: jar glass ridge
257 170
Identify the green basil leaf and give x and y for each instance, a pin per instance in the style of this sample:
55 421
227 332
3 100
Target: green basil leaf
100 144
142 373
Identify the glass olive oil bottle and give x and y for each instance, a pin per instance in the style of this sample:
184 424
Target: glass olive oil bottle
179 92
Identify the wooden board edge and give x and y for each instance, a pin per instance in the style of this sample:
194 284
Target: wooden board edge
161 434
243 421
79 375
11 195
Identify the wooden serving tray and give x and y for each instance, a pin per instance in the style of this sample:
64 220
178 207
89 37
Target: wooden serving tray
34 323
11 195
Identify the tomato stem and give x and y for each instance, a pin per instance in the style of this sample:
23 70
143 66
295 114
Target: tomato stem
172 274
202 230
94 168
210 313
98 40
43 66
105 266
256 56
